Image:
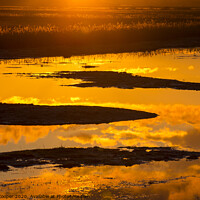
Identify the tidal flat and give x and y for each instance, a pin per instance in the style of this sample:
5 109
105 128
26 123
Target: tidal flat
123 80
26 114
130 132
99 102
77 157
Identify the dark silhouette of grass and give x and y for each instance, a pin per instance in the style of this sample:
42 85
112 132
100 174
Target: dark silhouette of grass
55 33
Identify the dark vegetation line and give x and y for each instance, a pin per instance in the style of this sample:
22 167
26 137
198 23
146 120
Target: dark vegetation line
95 39
88 49
41 33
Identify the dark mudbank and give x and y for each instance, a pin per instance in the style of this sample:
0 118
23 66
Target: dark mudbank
76 157
107 79
28 114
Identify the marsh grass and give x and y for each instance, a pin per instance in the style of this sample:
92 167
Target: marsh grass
89 29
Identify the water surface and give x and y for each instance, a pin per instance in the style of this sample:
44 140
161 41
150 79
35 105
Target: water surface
177 125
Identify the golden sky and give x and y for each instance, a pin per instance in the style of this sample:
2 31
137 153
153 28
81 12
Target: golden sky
192 3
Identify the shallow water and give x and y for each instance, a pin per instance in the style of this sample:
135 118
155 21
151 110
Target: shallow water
157 180
177 125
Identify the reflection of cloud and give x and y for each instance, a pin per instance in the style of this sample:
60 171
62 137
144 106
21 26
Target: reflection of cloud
138 70
177 114
17 99
80 137
177 125
191 139
191 67
15 133
172 69
92 137
74 99
159 180
89 129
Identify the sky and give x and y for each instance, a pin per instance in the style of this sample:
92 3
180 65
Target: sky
156 3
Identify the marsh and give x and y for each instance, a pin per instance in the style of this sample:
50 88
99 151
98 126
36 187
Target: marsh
100 101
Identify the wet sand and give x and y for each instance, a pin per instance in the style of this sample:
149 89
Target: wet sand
28 114
76 157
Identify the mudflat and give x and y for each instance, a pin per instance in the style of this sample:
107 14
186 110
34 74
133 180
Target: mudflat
123 80
28 114
76 157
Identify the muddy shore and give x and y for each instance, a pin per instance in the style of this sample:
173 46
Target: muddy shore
108 79
77 157
28 114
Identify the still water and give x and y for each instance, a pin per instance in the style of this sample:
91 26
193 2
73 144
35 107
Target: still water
178 122
177 125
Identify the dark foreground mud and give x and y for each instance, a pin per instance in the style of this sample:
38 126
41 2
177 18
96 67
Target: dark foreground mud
76 157
28 114
107 79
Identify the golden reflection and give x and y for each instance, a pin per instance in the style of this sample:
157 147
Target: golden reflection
17 99
163 63
106 58
137 70
74 99
160 178
176 125
191 67
174 64
15 133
